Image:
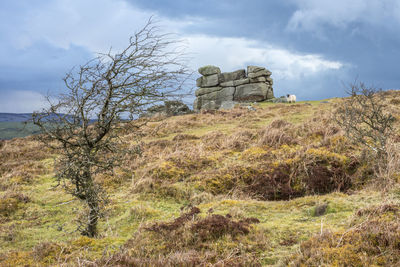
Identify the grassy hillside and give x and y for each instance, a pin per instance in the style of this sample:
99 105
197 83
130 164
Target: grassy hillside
12 125
9 130
280 186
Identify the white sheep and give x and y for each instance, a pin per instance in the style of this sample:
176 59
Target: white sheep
291 98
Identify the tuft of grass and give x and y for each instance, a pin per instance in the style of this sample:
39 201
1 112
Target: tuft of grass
373 239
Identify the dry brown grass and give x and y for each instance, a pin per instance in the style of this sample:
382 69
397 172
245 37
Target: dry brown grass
373 239
276 152
190 240
279 161
21 161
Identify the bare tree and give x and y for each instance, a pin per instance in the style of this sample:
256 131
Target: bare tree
83 124
365 119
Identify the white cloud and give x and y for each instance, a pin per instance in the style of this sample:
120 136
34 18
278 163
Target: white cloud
94 24
313 14
235 53
21 101
100 24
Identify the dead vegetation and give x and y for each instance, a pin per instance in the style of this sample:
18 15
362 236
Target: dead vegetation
373 239
189 240
226 163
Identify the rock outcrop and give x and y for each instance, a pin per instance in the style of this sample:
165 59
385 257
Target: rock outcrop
169 108
223 90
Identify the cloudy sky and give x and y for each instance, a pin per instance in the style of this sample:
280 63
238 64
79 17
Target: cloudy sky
312 47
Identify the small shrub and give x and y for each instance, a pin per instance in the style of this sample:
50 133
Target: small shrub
190 240
365 119
276 185
215 226
177 223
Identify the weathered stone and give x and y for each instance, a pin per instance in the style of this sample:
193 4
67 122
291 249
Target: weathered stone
258 80
251 69
231 76
235 83
207 90
169 108
211 104
241 81
228 104
225 94
270 93
227 84
209 70
197 104
215 99
199 81
222 90
270 81
208 81
251 92
265 73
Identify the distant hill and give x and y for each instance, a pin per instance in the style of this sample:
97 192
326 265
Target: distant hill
15 117
17 125
13 125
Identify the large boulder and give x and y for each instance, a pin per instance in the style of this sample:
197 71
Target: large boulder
261 73
260 79
251 92
224 90
235 83
228 104
251 69
207 90
209 70
213 100
231 76
225 94
208 81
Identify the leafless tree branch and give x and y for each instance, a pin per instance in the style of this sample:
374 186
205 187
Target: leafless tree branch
82 124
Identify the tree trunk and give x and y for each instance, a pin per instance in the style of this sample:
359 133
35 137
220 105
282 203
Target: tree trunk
92 201
91 228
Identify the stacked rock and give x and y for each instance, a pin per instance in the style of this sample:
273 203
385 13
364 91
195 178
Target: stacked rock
224 90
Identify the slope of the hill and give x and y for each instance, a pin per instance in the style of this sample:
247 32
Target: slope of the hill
228 188
13 125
